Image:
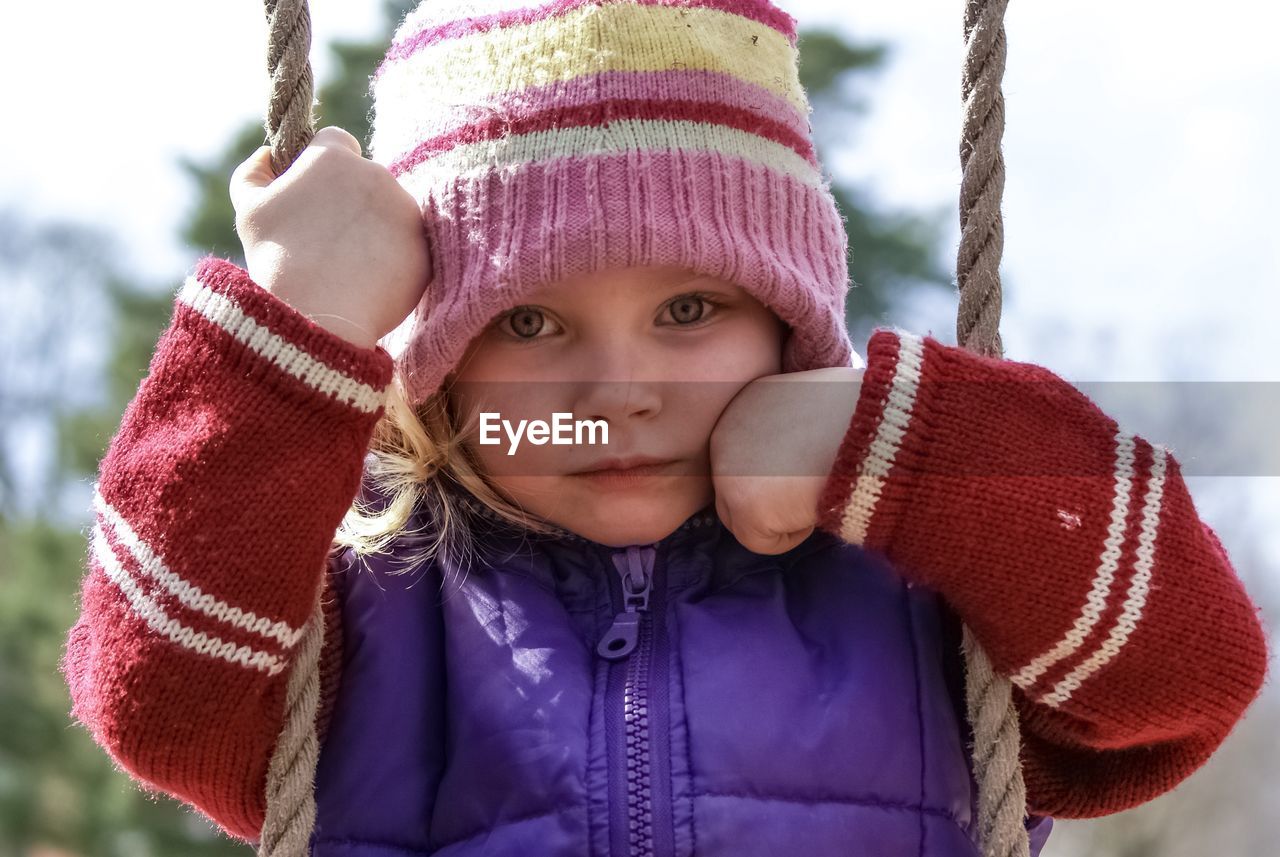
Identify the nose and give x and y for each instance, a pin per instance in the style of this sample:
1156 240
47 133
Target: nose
617 401
610 390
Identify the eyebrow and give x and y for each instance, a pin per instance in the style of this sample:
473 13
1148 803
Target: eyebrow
710 280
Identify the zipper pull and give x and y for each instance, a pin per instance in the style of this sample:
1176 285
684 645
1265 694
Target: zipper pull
635 567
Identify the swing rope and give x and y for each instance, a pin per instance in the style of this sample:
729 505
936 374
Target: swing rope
291 804
291 808
289 123
1002 794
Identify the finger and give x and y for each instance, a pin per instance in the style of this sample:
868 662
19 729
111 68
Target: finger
773 544
796 538
332 135
250 176
770 542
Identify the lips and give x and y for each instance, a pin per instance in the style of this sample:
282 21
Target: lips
636 464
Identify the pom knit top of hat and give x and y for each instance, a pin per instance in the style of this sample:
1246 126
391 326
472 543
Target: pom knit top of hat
547 141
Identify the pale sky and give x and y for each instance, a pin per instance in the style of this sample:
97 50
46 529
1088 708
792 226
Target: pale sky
1139 210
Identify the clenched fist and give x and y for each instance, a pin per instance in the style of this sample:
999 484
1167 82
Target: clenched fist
773 449
336 236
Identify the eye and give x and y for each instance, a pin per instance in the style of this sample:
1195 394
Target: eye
688 310
526 322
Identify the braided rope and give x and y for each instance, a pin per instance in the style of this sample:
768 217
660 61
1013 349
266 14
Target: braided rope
291 773
1002 796
289 124
291 805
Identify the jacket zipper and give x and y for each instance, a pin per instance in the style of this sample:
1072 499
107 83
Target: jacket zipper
631 638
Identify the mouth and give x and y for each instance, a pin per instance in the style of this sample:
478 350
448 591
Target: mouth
624 475
638 466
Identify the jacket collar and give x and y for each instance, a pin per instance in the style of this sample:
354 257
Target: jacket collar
704 519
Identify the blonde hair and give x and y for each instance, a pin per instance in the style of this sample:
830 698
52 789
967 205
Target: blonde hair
418 461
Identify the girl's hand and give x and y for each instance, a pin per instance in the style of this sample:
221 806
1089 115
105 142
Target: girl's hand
335 236
772 450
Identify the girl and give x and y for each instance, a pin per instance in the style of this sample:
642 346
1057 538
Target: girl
734 628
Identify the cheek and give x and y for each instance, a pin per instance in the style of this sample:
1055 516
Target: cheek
775 337
755 348
507 404
752 350
782 332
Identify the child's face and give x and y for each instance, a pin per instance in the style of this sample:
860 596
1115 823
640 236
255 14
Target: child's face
610 346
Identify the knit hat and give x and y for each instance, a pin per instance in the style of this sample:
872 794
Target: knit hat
547 141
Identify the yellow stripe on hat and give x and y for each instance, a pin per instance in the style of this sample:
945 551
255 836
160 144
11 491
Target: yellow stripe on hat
592 39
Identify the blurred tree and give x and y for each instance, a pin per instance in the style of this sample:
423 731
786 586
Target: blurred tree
66 303
890 254
58 789
344 101
52 275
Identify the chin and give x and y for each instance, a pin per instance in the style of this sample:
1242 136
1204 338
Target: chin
619 537
637 519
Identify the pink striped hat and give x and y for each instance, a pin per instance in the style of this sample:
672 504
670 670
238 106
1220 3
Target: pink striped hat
547 141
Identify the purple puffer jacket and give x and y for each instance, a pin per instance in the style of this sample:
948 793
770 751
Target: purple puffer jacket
686 697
